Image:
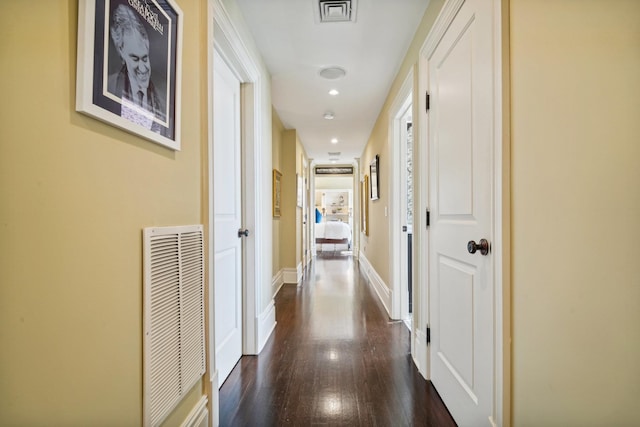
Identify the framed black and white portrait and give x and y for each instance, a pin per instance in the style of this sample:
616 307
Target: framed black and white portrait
129 56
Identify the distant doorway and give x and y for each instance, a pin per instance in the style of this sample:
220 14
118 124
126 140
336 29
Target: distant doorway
333 215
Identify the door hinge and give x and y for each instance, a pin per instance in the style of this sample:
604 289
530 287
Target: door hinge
428 218
427 101
428 335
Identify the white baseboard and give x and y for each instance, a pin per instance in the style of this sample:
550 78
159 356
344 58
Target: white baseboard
374 279
299 272
292 275
420 354
276 283
266 324
199 415
215 400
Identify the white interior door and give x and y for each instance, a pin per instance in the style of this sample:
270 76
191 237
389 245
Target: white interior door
461 201
227 196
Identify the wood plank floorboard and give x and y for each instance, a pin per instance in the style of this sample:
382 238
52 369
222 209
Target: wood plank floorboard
334 359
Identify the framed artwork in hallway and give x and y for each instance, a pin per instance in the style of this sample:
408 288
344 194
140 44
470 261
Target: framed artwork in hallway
128 66
277 193
374 170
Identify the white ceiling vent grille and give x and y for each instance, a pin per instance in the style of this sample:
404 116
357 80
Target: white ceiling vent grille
336 11
174 346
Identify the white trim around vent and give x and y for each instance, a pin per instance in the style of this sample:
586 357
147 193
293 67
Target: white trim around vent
326 11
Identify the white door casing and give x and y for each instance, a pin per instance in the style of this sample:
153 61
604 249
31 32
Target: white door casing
406 215
401 107
464 313
225 38
227 196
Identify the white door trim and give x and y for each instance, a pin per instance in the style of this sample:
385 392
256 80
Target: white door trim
357 225
501 184
228 43
396 112
223 36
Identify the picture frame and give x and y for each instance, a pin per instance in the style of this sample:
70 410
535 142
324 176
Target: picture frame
299 190
374 171
129 66
334 170
277 194
364 206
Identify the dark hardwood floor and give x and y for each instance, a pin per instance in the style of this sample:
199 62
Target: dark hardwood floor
334 358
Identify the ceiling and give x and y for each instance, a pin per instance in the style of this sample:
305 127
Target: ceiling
295 46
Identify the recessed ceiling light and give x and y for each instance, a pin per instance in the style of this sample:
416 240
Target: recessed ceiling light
334 140
334 161
334 92
332 73
328 115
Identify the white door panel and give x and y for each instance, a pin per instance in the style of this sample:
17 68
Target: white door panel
461 284
226 319
456 325
227 194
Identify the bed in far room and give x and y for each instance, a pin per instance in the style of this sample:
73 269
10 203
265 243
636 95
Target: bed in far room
333 236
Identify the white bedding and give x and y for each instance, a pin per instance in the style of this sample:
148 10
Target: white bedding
333 230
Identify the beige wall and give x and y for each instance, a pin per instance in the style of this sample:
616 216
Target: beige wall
291 158
576 212
74 196
334 182
276 152
376 245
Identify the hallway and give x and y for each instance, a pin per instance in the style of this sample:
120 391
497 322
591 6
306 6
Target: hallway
334 359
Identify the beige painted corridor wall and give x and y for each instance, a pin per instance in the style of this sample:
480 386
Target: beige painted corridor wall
74 196
291 156
576 212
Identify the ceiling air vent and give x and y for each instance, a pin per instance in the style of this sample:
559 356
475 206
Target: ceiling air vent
334 153
336 11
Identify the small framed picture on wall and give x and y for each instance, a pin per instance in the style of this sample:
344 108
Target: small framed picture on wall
374 172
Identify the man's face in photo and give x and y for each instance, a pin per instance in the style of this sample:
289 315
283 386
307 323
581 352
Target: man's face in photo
135 53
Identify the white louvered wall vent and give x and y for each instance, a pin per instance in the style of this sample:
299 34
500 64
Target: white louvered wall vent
335 11
174 346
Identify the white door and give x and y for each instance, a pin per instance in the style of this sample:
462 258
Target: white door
461 202
227 197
